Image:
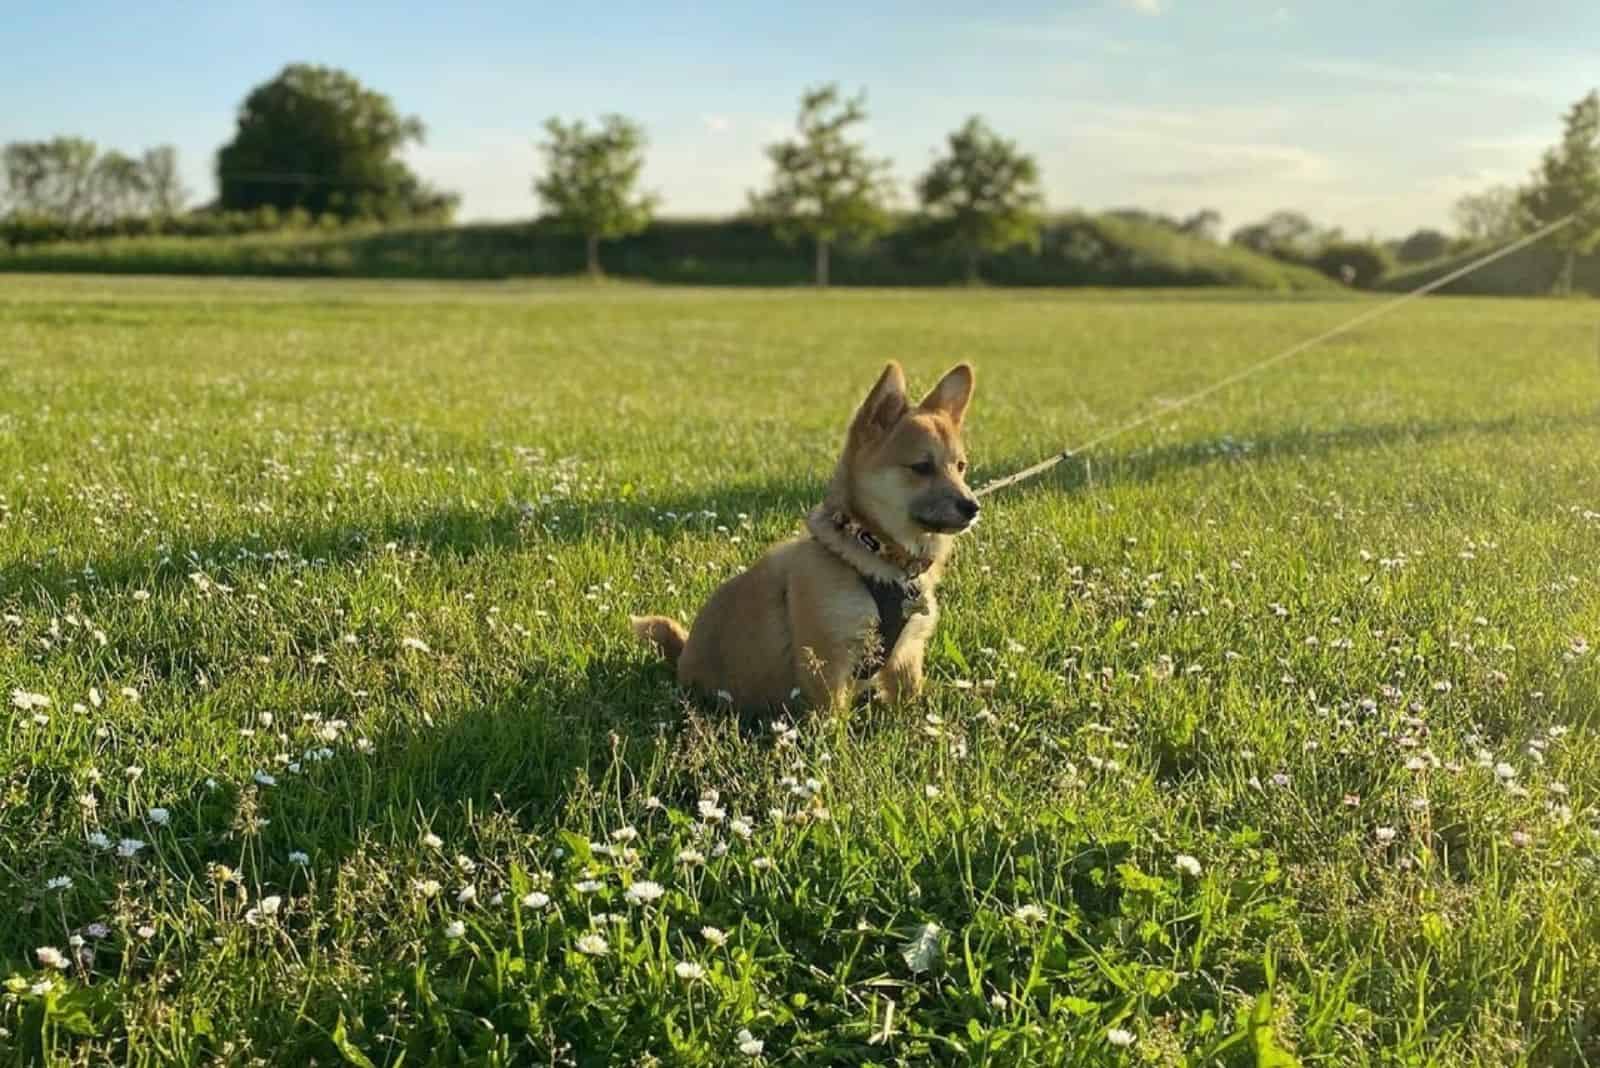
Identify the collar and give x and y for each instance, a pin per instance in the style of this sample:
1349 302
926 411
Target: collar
882 547
878 560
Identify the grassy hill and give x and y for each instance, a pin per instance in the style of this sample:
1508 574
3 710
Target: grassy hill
1529 272
1075 250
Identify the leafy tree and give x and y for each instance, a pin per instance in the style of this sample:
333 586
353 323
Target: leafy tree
1205 224
985 192
1286 235
119 187
590 179
1354 263
316 138
1421 246
162 182
52 179
1567 182
824 186
1492 215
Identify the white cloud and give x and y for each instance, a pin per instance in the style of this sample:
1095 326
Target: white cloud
1143 7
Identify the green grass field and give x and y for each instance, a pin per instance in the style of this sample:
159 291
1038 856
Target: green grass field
324 736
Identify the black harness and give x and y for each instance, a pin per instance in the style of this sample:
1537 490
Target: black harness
896 600
890 599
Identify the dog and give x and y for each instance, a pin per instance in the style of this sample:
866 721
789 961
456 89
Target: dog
849 606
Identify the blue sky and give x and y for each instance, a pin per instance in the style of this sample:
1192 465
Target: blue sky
1371 116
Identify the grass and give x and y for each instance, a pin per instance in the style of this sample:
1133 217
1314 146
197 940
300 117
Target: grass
325 585
1080 250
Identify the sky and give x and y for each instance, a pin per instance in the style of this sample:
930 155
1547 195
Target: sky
1371 116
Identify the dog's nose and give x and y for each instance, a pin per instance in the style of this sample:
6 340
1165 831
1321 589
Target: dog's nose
968 507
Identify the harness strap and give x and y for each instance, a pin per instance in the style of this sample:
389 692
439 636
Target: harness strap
890 599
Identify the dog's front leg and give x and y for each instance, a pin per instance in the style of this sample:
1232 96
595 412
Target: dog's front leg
901 678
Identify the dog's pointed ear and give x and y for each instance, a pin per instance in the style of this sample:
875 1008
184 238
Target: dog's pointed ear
884 405
952 394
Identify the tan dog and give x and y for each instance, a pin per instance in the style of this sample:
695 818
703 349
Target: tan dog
852 602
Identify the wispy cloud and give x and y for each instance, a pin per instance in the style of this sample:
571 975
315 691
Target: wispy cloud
1416 78
1143 7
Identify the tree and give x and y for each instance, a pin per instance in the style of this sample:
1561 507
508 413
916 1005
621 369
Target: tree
163 185
824 186
52 179
1354 263
1492 215
119 188
1421 246
1205 224
589 181
985 192
1567 182
1286 235
315 138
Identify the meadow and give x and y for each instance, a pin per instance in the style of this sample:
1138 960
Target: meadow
1264 737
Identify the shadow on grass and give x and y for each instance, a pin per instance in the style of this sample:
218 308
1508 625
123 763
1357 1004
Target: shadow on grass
461 532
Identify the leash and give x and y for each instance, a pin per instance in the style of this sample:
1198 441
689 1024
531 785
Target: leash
1367 316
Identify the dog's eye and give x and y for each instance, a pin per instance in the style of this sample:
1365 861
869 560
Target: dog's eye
961 465
922 467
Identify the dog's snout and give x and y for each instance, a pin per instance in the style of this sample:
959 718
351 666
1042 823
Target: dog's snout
968 507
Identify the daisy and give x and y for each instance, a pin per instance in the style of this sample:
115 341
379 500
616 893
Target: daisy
129 847
586 886
455 929
1120 1038
1029 914
51 957
467 895
689 971
714 936
750 1045
159 816
59 882
300 858
432 841
644 892
593 945
1187 865
535 900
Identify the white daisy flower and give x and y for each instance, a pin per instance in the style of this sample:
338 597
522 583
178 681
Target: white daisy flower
51 957
749 1044
594 945
644 892
159 816
1120 1038
535 900
129 847
58 882
455 929
714 936
1187 865
689 971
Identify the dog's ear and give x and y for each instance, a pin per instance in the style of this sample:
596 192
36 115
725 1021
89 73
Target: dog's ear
952 393
884 405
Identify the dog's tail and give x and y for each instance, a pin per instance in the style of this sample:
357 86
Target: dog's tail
667 635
